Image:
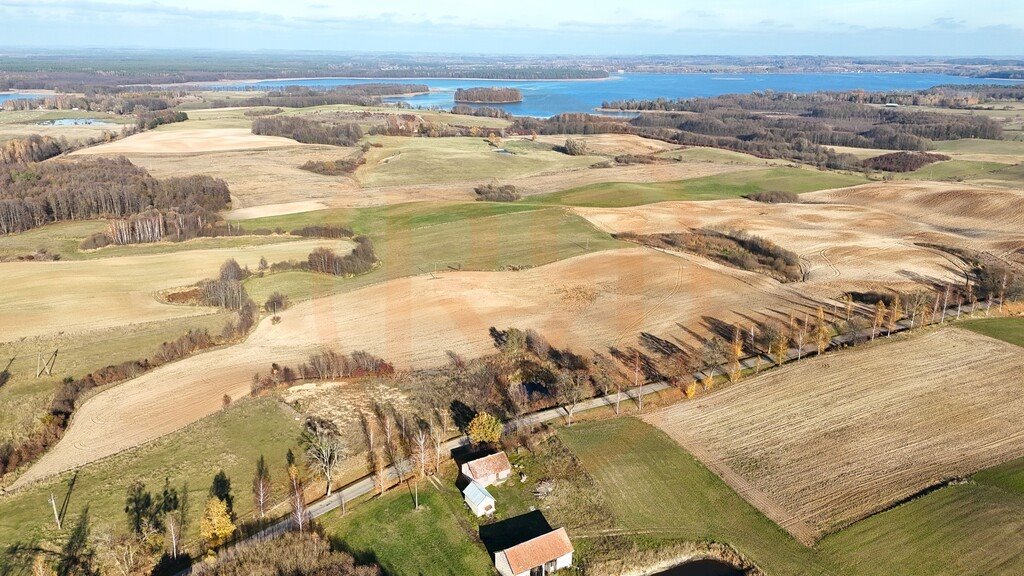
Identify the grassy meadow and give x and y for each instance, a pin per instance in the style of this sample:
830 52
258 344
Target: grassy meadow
1006 329
231 440
419 237
718 187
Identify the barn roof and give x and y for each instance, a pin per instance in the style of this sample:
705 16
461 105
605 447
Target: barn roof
477 494
493 464
538 551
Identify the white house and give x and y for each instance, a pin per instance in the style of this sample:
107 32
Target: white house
537 557
478 499
493 469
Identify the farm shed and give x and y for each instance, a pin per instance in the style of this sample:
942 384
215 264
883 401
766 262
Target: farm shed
493 469
478 499
539 556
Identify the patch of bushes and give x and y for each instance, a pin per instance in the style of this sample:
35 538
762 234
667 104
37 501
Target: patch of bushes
323 365
255 112
324 231
483 111
774 197
627 159
903 161
496 193
150 120
333 167
361 259
734 248
574 147
294 554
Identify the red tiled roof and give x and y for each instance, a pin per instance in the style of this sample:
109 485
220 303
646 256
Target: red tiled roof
493 464
538 551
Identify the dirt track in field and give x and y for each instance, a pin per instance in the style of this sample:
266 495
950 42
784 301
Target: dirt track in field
588 302
835 438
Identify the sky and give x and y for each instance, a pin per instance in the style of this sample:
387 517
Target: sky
598 27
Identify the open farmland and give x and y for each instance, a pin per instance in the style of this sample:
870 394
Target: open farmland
591 301
833 439
188 141
120 290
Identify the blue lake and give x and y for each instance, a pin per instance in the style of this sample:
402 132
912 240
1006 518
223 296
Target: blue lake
550 97
5 96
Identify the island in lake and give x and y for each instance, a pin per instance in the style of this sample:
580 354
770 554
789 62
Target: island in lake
488 95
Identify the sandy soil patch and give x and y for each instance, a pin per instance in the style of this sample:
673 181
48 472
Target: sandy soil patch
189 141
75 296
413 321
835 438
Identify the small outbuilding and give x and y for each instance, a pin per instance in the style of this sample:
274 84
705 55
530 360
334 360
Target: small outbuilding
493 469
539 556
478 499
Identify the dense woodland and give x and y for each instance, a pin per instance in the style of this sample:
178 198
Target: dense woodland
485 95
308 131
903 161
115 103
484 111
32 195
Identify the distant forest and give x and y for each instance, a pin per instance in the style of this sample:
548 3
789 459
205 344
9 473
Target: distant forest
301 97
308 131
492 95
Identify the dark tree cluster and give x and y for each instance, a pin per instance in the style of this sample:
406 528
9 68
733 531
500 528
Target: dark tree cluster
488 95
120 103
262 112
774 197
903 161
32 195
34 148
361 259
332 231
572 123
497 193
308 131
150 120
735 248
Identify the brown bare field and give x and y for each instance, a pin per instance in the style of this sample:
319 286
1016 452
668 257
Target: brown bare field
189 141
413 321
838 437
841 246
85 295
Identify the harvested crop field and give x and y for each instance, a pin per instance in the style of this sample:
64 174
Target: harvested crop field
108 292
413 321
614 144
822 443
189 141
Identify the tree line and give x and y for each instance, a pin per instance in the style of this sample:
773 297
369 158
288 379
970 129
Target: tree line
308 131
303 97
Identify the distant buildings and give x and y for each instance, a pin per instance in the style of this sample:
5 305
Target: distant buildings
539 556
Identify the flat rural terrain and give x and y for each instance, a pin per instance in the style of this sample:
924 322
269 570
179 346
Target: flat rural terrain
836 438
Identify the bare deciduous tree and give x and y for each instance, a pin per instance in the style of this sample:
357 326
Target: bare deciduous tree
324 448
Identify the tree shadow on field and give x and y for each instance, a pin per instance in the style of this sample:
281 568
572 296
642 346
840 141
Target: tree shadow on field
462 414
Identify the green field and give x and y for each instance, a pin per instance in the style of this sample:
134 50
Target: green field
954 170
232 440
419 237
651 484
406 161
980 146
1007 329
715 155
718 187
969 528
436 539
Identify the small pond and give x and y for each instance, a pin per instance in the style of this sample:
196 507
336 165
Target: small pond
705 567
76 122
